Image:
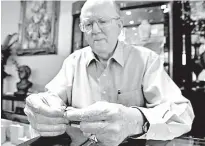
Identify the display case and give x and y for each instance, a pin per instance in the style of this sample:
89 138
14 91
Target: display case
193 60
194 11
147 24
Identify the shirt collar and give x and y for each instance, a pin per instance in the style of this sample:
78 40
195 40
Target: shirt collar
117 56
90 56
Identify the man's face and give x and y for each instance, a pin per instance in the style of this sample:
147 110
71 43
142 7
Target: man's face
102 40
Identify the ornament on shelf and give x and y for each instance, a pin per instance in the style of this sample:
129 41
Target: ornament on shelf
144 30
24 84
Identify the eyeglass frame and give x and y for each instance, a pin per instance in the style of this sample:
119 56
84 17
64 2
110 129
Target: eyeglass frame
99 25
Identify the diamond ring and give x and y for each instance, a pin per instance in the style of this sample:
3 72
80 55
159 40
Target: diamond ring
93 138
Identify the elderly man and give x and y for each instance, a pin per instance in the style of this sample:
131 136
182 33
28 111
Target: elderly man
115 90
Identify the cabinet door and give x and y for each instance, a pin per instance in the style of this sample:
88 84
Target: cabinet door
148 26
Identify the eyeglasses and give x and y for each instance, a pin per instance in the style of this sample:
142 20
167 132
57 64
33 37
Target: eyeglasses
87 25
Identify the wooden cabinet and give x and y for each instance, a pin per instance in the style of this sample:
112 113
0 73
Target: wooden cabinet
15 113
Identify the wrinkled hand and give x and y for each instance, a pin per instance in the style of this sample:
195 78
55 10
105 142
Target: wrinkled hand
45 114
76 135
110 122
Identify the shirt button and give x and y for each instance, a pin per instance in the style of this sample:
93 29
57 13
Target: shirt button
104 92
104 75
98 79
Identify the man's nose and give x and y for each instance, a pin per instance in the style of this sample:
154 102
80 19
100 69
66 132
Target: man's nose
96 28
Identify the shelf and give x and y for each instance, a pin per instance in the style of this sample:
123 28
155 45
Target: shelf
13 98
14 117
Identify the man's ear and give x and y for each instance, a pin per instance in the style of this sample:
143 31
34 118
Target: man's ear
120 23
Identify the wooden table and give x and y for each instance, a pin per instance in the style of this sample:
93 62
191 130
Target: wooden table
65 141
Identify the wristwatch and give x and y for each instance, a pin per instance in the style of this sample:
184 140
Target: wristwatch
145 128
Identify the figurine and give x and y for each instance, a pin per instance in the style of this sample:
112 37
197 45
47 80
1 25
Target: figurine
23 86
144 31
156 43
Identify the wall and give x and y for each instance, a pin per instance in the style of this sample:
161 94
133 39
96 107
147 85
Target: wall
44 67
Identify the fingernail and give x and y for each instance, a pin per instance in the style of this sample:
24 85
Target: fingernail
69 108
66 121
63 107
64 115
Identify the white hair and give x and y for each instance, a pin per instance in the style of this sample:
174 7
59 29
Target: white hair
93 2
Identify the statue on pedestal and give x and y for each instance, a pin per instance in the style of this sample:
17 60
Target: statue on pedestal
144 31
23 86
155 43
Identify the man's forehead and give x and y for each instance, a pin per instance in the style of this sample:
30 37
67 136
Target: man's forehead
98 9
93 3
93 16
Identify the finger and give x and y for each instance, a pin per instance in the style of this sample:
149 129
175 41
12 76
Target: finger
70 108
87 134
41 119
52 99
94 127
28 113
107 139
38 105
50 134
49 128
91 113
50 121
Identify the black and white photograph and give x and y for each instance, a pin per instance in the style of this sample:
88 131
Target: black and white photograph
103 73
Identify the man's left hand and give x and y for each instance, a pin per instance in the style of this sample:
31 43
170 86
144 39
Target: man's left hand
111 123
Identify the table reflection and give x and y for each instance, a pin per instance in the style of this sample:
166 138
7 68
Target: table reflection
64 140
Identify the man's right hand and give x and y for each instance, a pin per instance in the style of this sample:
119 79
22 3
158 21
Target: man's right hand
45 114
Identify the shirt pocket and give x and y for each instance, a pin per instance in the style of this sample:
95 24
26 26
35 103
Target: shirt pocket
131 98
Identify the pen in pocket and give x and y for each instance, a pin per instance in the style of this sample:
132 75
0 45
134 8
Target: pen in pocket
118 91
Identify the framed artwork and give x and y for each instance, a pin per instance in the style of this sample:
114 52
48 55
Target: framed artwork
38 27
